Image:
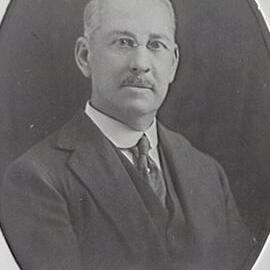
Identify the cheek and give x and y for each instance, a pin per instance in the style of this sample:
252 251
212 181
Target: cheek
112 68
163 70
163 76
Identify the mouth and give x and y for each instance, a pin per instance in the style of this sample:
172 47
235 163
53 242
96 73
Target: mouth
140 86
137 82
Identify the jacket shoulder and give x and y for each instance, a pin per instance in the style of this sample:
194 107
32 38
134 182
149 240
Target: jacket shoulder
41 162
192 162
180 142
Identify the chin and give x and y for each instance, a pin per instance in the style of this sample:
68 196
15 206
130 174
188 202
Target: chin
139 108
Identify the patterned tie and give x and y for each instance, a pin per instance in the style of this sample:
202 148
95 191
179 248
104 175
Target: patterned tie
147 166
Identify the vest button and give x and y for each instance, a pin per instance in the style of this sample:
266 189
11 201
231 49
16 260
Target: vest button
171 236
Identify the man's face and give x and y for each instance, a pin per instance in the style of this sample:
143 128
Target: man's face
132 58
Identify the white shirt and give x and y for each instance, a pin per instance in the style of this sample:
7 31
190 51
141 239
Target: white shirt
122 136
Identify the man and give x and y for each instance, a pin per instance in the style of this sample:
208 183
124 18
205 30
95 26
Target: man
113 188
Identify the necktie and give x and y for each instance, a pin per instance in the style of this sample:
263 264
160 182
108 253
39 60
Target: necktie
147 166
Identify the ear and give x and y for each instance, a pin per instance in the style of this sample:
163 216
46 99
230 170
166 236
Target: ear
175 62
81 53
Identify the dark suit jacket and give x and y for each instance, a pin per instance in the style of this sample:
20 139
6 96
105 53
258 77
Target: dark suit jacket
69 204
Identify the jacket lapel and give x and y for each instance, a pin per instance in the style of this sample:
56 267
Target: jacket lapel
180 165
95 161
192 177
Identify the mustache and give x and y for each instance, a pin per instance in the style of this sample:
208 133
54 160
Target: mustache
135 81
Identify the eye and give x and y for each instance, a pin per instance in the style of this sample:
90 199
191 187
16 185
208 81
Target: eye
156 45
125 43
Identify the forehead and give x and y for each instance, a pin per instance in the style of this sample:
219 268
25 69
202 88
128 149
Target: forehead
136 16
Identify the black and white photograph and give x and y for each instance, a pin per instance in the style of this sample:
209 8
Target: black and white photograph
135 135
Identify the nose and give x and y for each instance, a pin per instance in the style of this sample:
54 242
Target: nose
140 62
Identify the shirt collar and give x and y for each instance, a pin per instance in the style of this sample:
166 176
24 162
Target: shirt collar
121 135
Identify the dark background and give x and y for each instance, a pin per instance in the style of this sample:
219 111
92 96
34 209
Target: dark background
220 101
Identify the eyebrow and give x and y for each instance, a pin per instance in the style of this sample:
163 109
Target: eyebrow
160 36
122 33
130 34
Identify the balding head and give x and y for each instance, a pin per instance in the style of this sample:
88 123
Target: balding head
93 11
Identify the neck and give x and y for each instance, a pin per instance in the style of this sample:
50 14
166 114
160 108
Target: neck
136 121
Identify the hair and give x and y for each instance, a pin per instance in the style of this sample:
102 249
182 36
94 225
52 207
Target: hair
92 13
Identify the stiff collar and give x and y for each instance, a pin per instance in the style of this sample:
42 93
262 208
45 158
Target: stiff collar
121 135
